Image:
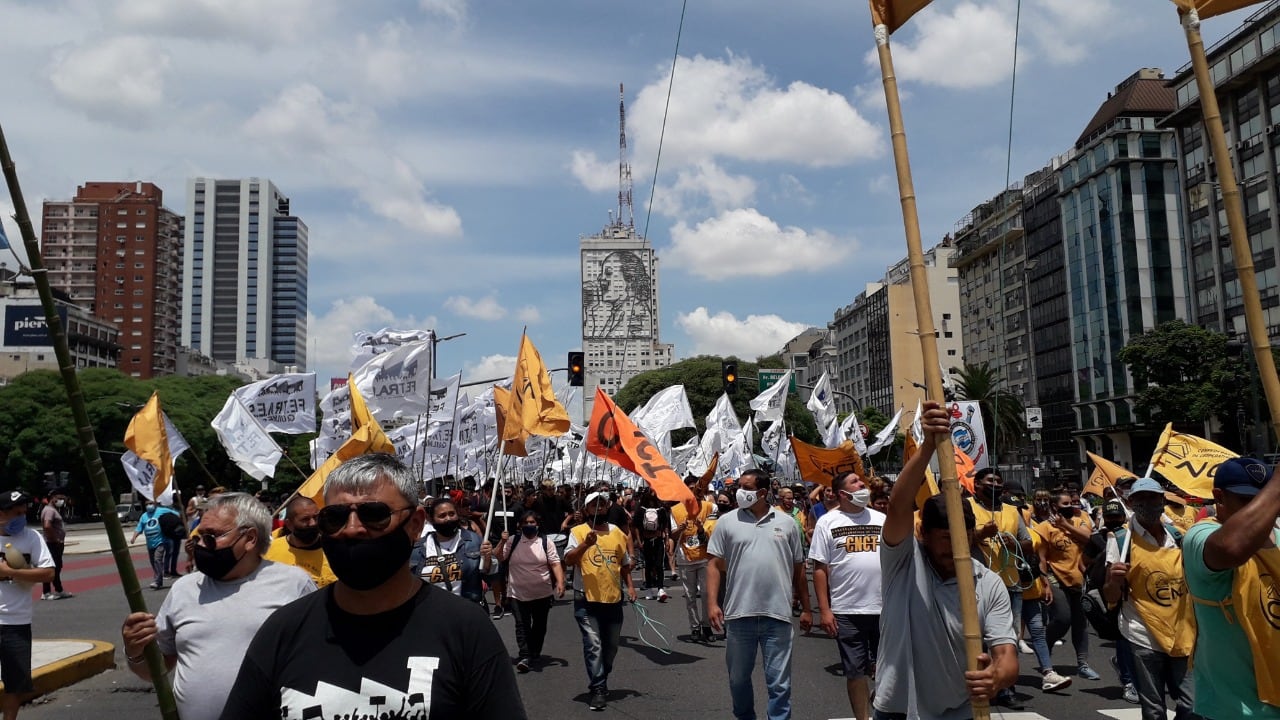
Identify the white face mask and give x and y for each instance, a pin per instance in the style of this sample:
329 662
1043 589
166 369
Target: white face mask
861 498
747 498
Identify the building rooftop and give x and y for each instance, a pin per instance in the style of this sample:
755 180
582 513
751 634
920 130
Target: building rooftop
1145 93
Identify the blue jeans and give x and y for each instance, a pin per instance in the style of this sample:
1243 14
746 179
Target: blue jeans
1033 616
601 627
743 636
1124 660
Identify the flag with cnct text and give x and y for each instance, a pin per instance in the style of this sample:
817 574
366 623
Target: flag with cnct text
612 436
1189 461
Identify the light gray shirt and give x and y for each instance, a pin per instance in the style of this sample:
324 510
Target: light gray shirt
208 624
921 635
760 558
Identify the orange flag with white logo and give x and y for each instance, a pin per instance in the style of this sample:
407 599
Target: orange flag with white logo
613 436
821 465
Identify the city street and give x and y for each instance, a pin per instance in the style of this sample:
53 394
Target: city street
690 682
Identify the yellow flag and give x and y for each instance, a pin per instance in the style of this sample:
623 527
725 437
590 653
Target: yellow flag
147 438
821 465
895 13
1209 8
1188 461
1105 474
534 406
367 436
502 399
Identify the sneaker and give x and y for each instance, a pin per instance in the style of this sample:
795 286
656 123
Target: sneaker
498 612
63 595
663 596
1087 672
707 634
1006 699
156 585
49 596
1053 681
522 665
1056 643
599 700
1131 694
1024 648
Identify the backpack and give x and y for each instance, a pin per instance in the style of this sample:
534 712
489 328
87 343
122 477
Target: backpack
651 519
171 526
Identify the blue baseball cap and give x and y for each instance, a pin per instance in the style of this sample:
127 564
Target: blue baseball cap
1146 485
1241 476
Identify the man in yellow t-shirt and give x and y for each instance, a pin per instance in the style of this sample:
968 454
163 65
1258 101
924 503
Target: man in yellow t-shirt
1065 534
691 535
300 546
599 550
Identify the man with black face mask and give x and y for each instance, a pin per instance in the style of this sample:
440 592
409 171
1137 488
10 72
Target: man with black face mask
218 608
299 544
379 642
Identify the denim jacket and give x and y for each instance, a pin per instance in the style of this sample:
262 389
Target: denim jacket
468 558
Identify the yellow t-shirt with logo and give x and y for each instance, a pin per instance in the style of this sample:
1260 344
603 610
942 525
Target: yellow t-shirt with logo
1063 553
999 559
311 560
692 547
600 568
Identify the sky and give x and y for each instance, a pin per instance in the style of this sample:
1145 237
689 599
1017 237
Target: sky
448 154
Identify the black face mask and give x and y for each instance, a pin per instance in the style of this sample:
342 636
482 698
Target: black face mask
364 564
217 564
598 519
725 508
307 536
447 529
1067 512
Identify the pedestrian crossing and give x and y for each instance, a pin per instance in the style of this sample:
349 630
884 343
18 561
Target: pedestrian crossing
1127 713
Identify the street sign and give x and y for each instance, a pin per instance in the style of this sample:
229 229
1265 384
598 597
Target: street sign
1035 418
768 377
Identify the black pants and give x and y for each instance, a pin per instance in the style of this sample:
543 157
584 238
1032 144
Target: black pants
654 550
55 549
531 625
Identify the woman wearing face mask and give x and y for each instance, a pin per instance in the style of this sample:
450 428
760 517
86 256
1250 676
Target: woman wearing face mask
1065 535
534 573
451 557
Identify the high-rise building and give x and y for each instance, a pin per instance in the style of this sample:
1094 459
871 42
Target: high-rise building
115 250
1125 264
244 272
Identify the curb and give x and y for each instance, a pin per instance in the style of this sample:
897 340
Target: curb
70 670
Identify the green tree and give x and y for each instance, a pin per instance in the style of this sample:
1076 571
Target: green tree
1003 417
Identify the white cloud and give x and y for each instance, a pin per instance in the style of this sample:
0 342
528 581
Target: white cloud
304 119
732 109
332 332
963 46
724 334
740 243
455 10
529 315
595 174
120 79
253 22
486 308
706 179
489 367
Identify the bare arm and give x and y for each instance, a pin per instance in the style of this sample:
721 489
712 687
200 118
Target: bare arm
899 521
1246 531
30 576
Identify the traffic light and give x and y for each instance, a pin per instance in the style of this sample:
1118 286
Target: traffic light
575 368
729 375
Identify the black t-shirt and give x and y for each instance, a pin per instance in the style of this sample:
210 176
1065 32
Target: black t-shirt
618 516
662 521
552 511
435 657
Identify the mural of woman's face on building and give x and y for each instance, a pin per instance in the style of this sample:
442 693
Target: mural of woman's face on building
619 305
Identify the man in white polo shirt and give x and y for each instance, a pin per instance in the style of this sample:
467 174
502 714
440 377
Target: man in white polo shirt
846 578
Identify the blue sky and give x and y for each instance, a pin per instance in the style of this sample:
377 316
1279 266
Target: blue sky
447 154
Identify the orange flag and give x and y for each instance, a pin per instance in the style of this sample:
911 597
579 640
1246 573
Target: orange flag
895 13
612 436
1209 8
366 437
1105 474
147 438
821 465
534 407
502 399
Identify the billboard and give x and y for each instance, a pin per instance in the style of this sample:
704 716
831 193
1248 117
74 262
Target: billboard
24 325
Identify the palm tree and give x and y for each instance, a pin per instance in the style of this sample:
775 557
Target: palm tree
1002 411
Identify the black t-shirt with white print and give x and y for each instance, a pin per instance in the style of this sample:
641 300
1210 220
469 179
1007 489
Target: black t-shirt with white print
435 657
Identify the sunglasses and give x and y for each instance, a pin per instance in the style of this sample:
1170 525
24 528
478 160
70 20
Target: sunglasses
210 539
372 515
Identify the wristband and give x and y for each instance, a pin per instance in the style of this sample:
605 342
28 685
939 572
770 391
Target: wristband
136 660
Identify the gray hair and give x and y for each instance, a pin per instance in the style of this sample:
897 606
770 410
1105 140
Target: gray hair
249 512
361 474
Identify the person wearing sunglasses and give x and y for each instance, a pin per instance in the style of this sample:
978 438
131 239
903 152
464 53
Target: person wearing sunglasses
451 557
379 642
207 620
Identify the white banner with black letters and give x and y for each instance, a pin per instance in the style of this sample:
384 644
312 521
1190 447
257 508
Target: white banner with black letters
282 403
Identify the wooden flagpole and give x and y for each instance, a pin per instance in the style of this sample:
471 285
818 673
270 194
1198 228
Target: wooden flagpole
1241 253
932 368
84 432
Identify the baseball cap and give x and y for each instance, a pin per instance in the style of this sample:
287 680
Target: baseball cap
1113 508
13 498
598 495
1241 476
1146 485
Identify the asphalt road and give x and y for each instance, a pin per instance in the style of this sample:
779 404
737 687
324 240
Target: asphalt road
689 683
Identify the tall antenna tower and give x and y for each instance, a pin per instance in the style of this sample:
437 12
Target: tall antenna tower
624 168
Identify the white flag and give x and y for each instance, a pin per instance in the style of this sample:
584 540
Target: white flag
142 474
681 455
852 429
886 435
968 433
367 344
335 409
177 443
771 439
667 410
444 398
770 404
247 444
321 448
283 403
822 402
723 419
394 384
917 426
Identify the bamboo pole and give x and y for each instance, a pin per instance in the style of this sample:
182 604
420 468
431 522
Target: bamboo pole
84 432
932 368
1241 253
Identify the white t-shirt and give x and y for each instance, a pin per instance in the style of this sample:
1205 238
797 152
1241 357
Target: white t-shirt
849 545
15 597
442 567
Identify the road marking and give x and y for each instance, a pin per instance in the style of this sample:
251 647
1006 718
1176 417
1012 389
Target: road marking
1121 714
1130 714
